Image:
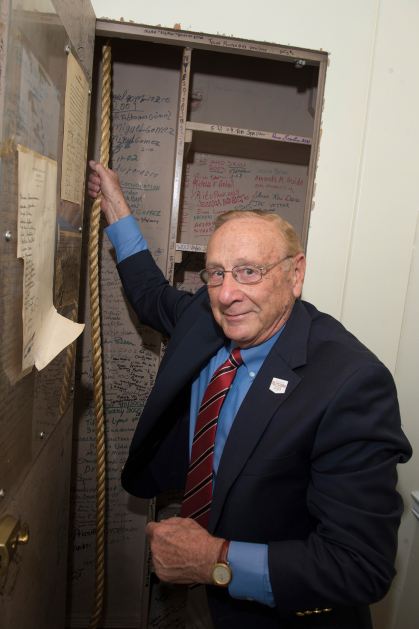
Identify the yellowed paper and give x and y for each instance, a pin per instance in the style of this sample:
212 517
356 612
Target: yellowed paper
74 146
45 332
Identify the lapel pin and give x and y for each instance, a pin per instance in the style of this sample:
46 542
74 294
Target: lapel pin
278 385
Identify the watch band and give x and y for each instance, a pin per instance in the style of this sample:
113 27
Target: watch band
221 572
222 557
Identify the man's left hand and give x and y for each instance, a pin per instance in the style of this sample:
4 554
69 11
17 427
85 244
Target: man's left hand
183 551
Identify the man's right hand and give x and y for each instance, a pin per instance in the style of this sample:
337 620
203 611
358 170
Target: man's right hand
113 203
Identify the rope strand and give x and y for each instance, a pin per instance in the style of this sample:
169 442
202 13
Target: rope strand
96 345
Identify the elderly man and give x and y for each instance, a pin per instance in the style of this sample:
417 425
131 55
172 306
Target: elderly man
281 426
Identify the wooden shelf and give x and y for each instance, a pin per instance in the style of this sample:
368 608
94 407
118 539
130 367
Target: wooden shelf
180 246
249 133
249 143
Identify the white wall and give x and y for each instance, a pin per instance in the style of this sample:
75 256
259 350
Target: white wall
407 370
363 225
386 208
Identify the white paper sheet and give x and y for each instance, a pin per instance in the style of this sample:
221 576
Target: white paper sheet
75 136
45 332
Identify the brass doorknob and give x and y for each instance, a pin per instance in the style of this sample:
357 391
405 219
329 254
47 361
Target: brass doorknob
11 534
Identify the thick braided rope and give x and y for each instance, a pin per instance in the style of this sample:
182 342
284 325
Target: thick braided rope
68 369
96 346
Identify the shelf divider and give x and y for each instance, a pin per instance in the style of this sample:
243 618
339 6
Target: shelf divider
249 133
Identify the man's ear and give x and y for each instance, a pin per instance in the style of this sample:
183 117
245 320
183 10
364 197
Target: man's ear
299 274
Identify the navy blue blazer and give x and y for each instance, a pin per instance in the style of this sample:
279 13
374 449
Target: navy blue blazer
311 472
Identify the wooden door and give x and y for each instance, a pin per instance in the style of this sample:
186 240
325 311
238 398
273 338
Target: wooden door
36 410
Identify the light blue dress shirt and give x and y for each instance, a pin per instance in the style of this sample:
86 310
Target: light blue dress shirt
248 562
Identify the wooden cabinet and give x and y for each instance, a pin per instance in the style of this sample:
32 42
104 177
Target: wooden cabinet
200 125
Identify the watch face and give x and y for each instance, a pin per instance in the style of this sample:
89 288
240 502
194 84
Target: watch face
221 574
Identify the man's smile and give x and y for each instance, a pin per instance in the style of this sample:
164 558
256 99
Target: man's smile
236 316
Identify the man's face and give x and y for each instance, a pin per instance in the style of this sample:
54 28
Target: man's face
251 313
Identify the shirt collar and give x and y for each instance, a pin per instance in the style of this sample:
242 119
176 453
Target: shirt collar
253 357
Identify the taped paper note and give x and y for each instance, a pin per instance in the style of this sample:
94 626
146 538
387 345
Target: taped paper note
75 136
45 332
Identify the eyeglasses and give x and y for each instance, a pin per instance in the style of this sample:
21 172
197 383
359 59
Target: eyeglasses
244 274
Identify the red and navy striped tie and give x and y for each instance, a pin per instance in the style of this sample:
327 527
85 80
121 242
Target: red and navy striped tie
198 491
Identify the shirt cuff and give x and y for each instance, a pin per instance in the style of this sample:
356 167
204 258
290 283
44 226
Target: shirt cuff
249 565
126 237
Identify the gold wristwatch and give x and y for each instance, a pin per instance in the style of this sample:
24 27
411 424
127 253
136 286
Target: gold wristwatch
221 572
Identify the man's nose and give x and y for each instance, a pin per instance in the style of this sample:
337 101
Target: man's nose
230 290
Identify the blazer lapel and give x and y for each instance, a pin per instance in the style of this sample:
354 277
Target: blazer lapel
186 355
260 404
